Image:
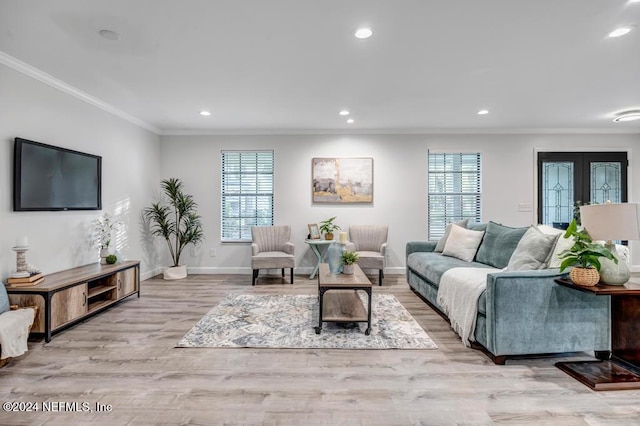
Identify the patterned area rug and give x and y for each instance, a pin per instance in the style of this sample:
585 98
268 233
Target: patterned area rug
288 321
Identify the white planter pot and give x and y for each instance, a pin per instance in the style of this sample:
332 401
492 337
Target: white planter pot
175 272
348 269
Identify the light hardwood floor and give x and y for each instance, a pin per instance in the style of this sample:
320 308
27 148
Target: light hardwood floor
125 357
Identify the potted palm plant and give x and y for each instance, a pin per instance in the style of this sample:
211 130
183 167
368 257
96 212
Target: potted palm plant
177 221
348 259
583 256
328 227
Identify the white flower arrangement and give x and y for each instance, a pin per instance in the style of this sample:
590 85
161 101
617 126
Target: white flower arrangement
102 228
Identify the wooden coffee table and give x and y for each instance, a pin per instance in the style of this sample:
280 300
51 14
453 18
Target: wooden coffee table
338 297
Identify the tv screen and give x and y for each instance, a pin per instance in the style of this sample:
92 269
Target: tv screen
50 178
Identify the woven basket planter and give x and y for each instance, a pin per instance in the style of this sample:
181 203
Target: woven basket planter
587 277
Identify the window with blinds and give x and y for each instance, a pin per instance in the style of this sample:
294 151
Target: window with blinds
454 190
247 193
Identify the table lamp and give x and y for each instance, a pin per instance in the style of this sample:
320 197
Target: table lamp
612 222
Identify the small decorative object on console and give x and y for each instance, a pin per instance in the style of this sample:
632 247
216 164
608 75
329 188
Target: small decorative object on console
583 256
328 227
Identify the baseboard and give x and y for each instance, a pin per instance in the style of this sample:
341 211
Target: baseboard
196 270
150 274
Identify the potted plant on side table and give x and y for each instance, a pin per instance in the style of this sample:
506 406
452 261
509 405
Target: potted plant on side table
583 256
348 259
177 222
328 227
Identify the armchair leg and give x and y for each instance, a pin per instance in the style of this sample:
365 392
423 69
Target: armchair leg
282 272
380 275
255 275
291 276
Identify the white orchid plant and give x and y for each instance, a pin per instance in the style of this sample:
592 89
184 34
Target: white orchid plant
103 228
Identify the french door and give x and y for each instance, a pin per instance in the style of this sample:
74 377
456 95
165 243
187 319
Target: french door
566 178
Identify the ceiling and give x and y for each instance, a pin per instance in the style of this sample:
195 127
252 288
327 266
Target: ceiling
287 66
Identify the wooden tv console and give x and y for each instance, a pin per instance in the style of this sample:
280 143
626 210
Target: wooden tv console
68 297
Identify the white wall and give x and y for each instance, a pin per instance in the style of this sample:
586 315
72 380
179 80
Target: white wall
400 183
130 170
134 161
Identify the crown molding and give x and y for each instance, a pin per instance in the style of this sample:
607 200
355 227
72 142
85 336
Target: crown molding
49 80
417 131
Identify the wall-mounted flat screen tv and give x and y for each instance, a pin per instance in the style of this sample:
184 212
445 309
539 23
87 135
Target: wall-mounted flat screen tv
49 178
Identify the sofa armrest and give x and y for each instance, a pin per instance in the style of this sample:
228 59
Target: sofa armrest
527 312
419 246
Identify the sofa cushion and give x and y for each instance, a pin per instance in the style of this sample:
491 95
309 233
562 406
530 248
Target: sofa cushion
477 226
533 251
430 266
498 244
4 299
462 243
561 245
441 243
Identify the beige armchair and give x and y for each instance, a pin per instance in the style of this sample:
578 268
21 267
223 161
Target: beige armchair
370 242
271 249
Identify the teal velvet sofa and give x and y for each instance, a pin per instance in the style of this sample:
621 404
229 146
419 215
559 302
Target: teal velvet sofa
520 313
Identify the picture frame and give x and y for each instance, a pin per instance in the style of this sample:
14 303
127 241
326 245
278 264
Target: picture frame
342 180
314 231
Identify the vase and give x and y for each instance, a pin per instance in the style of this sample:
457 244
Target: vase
347 269
334 253
104 252
587 277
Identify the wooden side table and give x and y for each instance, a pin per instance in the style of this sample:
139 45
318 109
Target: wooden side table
622 371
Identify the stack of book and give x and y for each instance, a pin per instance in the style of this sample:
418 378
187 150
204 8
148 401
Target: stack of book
30 281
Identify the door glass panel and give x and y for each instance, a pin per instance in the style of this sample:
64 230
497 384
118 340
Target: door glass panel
557 192
606 178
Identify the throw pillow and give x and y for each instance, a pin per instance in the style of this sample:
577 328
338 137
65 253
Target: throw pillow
462 243
533 251
4 299
562 244
443 240
498 244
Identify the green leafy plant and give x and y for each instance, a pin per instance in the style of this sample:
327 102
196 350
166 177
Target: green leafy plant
349 257
111 259
327 226
177 221
584 252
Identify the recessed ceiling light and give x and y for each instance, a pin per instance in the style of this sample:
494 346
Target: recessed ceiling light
363 33
344 112
627 116
483 112
618 32
205 113
109 35
350 120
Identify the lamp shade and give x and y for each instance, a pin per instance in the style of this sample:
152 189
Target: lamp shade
612 221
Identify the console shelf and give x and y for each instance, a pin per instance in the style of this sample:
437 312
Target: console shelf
68 297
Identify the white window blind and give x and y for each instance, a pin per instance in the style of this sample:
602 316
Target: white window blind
454 190
247 193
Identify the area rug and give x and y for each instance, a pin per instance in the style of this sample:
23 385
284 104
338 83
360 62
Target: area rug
288 321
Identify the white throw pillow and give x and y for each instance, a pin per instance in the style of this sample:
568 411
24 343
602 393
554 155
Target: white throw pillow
533 251
561 245
462 243
443 240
